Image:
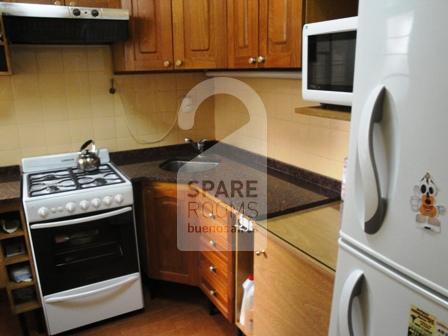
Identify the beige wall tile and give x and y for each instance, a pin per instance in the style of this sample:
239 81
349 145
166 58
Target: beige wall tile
63 92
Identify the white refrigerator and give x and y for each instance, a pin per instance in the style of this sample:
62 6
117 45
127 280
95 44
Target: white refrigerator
392 271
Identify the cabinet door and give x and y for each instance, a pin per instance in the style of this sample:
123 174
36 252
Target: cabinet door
164 260
322 10
280 33
150 46
199 32
292 292
94 3
242 33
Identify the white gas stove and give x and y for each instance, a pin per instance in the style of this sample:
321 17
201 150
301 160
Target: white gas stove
53 187
83 240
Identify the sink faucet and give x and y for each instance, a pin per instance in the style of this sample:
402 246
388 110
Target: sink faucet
198 145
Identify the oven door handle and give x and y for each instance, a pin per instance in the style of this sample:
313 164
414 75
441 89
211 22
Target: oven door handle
81 220
64 298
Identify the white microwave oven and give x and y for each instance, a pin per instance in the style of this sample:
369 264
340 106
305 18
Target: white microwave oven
328 61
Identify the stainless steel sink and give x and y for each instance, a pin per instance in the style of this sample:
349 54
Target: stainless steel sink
174 165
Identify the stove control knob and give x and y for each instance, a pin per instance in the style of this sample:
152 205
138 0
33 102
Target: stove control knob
84 204
70 207
96 202
43 212
107 200
119 198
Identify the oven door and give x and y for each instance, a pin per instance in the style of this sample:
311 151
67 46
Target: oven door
81 250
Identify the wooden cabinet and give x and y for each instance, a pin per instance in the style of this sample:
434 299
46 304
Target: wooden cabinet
177 34
243 33
321 10
292 291
151 44
199 34
163 260
280 33
216 266
264 33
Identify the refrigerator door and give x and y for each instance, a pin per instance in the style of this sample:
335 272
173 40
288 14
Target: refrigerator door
397 184
380 302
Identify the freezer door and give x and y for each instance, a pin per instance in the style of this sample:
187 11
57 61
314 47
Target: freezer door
382 302
397 184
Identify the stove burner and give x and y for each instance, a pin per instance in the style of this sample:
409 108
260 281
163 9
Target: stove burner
100 181
52 188
71 179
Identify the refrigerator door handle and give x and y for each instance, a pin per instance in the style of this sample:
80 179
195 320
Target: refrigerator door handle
352 288
374 204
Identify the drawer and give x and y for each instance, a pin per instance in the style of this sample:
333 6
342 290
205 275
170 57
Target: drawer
214 267
218 298
214 244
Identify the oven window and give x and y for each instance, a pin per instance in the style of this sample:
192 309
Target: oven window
80 254
331 61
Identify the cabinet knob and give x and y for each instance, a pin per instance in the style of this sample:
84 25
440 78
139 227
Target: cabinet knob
212 268
179 63
57 3
210 215
261 59
252 60
212 243
212 292
260 252
166 63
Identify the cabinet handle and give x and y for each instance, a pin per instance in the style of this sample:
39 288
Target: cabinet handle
260 252
212 292
212 268
166 63
212 243
57 3
261 59
252 60
179 63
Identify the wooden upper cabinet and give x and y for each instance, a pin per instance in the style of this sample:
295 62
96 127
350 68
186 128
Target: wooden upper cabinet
242 32
199 34
322 10
150 46
280 33
95 3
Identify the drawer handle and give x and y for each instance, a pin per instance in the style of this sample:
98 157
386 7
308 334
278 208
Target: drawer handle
260 252
210 215
212 292
212 268
212 243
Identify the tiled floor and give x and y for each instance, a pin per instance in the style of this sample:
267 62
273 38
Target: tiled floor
176 310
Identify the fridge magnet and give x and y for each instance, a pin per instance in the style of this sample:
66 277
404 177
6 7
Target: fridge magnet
424 203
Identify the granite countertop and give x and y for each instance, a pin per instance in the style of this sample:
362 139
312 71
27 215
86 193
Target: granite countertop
278 192
284 189
314 231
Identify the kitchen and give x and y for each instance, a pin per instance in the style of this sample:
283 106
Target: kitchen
208 201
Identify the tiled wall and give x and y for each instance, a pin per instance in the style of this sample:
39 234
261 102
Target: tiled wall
312 143
58 98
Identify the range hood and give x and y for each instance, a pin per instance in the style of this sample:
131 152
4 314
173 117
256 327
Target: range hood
48 24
